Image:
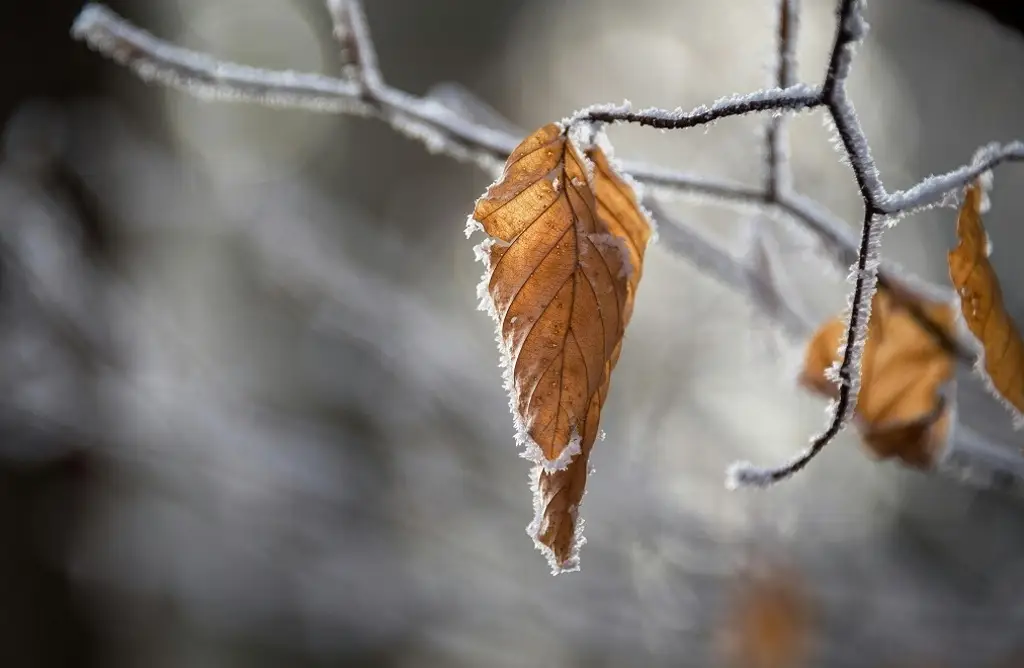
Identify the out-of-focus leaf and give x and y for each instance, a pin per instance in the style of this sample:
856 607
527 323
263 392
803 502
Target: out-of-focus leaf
900 412
769 622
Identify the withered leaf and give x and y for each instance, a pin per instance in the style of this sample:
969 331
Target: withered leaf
563 259
981 303
900 412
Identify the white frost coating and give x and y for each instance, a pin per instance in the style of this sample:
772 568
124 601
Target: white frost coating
208 78
857 28
985 181
858 149
538 525
531 450
473 225
350 22
581 137
794 97
935 187
604 108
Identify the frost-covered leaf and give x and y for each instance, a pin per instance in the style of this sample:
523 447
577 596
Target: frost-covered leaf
981 303
900 411
564 254
769 621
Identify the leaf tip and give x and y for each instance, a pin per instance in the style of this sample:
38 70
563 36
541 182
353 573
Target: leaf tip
569 560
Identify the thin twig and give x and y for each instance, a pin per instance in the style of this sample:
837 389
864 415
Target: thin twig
776 142
793 98
934 189
354 36
850 29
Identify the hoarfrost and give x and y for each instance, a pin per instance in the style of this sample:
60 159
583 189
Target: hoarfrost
208 78
473 225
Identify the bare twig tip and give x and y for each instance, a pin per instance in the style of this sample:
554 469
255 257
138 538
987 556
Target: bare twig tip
745 474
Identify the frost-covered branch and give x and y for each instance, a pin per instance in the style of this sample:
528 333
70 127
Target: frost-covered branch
851 28
935 189
443 130
797 97
353 35
425 119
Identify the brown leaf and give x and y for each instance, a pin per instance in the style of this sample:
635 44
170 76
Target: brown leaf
563 263
769 623
981 303
900 412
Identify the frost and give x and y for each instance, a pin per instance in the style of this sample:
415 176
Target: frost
580 137
799 96
587 112
208 78
473 225
937 187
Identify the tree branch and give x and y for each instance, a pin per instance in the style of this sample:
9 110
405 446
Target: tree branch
798 97
353 35
427 120
776 142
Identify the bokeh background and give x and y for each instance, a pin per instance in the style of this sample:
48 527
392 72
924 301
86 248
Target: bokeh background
251 417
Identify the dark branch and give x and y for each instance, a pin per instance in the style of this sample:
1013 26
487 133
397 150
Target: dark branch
793 98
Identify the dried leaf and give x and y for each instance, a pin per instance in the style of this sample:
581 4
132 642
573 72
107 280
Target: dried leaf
769 623
981 303
563 263
900 412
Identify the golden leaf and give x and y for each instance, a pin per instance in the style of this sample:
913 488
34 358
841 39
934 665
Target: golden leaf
563 263
981 303
900 412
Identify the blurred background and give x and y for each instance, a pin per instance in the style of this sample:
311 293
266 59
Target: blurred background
251 417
